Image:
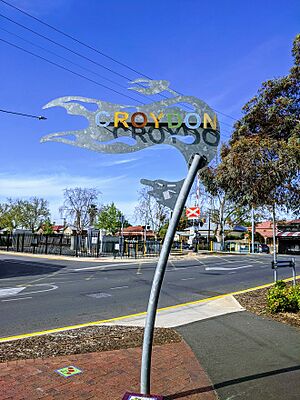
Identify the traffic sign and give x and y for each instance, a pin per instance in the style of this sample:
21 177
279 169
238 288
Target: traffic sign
193 212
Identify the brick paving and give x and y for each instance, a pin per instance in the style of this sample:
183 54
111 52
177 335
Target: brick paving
176 374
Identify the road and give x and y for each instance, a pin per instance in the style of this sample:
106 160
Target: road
39 294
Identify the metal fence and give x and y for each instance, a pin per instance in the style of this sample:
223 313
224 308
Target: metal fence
88 245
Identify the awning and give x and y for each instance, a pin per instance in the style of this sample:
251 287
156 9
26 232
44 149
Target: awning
288 234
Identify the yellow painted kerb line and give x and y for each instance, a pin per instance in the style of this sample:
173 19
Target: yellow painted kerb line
104 321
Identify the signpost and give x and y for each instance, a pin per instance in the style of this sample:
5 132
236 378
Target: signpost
169 122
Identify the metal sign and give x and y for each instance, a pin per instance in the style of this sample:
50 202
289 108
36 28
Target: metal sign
184 122
192 212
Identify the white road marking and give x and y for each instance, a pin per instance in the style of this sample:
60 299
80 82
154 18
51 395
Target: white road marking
42 291
226 269
173 265
139 269
11 291
118 287
99 295
201 262
20 298
100 267
224 259
187 279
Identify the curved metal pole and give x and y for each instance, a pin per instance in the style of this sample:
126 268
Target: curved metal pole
160 271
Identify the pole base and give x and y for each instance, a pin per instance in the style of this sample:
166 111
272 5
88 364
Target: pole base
139 396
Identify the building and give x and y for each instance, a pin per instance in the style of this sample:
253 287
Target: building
137 233
289 237
265 229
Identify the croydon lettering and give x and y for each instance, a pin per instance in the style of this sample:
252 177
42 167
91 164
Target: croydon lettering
141 120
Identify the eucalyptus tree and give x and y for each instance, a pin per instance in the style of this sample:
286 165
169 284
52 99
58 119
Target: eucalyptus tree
261 164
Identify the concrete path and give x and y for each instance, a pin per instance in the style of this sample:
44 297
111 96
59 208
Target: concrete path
247 357
181 315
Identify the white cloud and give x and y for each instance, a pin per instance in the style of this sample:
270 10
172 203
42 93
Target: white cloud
48 186
51 187
117 162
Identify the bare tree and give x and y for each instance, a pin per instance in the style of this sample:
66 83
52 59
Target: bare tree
149 211
80 205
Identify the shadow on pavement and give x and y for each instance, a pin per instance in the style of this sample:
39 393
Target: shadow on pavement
16 268
232 382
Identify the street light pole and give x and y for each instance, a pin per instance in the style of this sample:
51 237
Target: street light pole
159 274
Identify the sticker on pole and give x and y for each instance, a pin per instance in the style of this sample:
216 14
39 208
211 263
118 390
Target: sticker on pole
68 371
138 396
192 212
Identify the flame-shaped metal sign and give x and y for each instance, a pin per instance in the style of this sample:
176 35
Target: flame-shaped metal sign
184 122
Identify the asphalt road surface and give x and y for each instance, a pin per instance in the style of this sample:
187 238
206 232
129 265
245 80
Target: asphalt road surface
39 294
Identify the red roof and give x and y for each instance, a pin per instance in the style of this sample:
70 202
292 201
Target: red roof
264 225
267 234
137 231
58 227
130 229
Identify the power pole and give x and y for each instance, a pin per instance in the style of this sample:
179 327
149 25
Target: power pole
274 242
253 229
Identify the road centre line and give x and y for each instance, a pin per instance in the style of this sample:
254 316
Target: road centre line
119 287
187 279
101 322
20 298
227 268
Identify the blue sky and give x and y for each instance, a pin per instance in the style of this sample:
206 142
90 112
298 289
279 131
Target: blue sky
219 51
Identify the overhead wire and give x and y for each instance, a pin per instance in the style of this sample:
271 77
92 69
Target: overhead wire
75 39
95 49
64 47
67 69
76 53
66 59
40 117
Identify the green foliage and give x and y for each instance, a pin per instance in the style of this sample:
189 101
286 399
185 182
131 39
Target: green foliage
48 227
282 298
109 219
163 230
28 214
260 166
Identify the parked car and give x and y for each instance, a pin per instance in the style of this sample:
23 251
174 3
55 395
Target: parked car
263 248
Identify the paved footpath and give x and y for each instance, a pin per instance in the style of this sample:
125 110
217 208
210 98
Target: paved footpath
176 374
247 357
